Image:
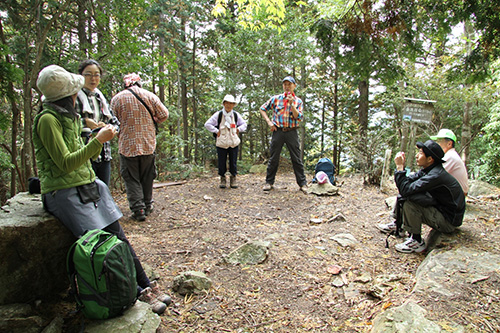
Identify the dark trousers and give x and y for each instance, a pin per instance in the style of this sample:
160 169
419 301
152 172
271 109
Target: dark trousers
116 229
102 170
222 155
291 139
138 173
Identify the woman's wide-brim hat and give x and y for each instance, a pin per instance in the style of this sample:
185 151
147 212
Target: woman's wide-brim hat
56 83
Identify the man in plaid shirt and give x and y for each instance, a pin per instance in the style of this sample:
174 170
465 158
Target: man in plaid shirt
287 112
137 142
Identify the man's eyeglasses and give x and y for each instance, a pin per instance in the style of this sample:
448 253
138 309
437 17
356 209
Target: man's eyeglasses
89 75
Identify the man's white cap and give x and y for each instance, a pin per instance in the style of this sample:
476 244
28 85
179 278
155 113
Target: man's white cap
55 83
230 99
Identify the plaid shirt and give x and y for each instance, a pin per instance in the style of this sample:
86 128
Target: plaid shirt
106 147
137 135
283 116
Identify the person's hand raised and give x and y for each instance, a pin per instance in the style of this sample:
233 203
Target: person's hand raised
400 160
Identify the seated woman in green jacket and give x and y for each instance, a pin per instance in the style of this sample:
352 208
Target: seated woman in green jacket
70 190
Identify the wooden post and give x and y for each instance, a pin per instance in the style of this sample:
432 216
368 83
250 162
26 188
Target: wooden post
385 170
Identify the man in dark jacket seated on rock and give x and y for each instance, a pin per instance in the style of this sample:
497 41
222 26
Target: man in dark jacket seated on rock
431 196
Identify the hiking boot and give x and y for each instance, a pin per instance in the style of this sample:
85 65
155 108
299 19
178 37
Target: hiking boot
303 188
268 187
232 182
158 307
149 210
160 296
139 215
387 228
146 295
222 182
149 295
410 246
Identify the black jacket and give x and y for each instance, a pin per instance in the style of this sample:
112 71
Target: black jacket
434 186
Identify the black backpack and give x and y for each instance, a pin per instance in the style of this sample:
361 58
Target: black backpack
219 118
326 165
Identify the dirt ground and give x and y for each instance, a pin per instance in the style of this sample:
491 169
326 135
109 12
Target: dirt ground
196 224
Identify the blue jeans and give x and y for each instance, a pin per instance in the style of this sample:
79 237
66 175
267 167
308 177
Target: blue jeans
222 160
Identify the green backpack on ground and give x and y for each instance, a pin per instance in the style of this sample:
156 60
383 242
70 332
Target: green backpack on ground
102 275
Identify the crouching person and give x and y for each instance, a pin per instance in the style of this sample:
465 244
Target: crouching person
431 196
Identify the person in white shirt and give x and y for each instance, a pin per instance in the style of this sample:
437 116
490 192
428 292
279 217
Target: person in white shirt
453 163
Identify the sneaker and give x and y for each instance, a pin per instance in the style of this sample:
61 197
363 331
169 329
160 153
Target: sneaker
139 215
387 228
268 187
303 188
222 182
149 210
232 182
410 246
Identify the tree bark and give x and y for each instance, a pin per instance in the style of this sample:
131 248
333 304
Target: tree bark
184 106
15 124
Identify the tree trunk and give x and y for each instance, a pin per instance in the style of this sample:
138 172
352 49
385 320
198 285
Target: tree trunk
184 106
193 76
303 126
15 124
363 107
336 134
363 123
81 26
466 134
466 126
323 128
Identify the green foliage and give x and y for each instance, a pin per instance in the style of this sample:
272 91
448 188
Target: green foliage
488 165
400 49
489 170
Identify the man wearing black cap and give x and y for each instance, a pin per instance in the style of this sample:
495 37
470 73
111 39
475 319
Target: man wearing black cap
431 196
287 112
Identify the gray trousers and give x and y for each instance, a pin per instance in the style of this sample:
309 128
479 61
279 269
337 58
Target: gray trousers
291 139
414 215
138 173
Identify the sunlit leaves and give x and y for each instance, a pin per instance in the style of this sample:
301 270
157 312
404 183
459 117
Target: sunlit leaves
256 14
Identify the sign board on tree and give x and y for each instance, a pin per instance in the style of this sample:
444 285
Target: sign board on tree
418 110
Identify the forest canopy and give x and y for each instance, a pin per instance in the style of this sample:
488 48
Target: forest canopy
356 63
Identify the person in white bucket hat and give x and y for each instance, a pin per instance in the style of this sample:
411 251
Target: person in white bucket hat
64 163
227 122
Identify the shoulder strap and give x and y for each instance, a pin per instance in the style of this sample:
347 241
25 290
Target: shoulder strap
219 118
145 105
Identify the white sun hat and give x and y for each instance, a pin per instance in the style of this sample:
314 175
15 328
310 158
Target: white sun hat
230 99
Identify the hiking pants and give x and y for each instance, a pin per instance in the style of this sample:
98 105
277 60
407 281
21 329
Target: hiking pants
291 139
222 160
414 215
138 173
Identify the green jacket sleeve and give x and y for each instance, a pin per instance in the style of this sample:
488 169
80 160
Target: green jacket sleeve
51 134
